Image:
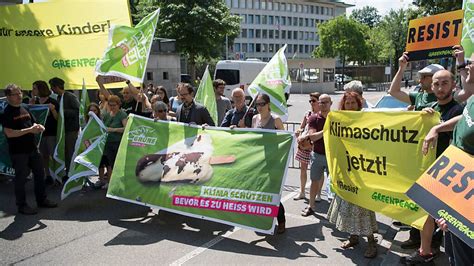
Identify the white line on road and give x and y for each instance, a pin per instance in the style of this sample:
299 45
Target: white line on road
216 240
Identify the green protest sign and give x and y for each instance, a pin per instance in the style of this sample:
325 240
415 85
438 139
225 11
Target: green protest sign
87 155
228 176
274 80
128 50
40 113
206 96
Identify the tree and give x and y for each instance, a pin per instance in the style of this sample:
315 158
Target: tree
367 15
433 7
200 27
344 38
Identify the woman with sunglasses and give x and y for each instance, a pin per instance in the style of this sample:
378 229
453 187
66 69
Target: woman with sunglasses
265 119
303 155
349 217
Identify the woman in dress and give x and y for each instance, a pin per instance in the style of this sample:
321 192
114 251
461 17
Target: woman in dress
303 155
265 119
349 217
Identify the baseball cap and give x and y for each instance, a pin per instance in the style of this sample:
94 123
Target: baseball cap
431 69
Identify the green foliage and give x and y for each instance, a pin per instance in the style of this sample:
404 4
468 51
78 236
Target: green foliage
343 37
433 7
367 15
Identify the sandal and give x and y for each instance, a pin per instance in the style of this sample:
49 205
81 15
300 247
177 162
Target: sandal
299 197
352 241
371 251
307 212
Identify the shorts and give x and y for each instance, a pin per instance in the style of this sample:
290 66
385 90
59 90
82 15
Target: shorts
303 156
318 165
110 153
47 145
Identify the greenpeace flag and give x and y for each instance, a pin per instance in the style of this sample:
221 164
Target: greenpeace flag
128 50
274 81
205 95
87 154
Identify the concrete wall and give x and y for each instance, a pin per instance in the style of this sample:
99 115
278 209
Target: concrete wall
304 83
161 63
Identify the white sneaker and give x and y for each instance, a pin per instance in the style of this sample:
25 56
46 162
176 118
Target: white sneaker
318 198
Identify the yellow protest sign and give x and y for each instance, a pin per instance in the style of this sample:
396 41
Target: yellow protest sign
375 157
60 38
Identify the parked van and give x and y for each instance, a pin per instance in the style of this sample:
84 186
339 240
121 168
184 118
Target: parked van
238 73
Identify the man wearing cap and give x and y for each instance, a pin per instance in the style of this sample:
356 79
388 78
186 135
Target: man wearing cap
422 99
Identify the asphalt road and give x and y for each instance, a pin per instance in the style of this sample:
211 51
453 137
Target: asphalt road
88 228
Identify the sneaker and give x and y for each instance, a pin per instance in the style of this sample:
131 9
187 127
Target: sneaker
410 244
27 210
417 258
47 204
318 198
299 197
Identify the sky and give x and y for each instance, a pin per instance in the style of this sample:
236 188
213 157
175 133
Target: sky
383 6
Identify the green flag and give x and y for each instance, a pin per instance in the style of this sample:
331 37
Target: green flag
273 80
58 163
128 50
85 101
87 155
467 28
206 96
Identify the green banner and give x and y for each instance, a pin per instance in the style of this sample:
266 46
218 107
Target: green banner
233 177
87 155
58 163
468 28
40 113
128 50
85 102
274 80
206 96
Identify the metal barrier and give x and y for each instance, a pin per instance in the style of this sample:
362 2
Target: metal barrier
292 127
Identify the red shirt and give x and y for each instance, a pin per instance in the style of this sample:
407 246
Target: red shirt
316 122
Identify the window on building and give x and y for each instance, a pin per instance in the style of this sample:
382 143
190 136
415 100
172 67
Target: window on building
293 7
300 8
270 5
306 35
283 21
249 4
287 36
301 22
242 3
295 21
236 47
289 49
283 6
250 19
306 49
332 12
311 36
295 74
256 4
311 75
243 33
244 47
228 3
300 35
257 19
283 34
258 33
277 46
276 6
251 47
264 47
295 48
317 10
264 19
311 9
264 34
243 19
258 47
301 50
263 4
235 3
149 75
271 48
312 23
306 22
270 34
305 9
270 20
295 35
328 75
251 33
277 34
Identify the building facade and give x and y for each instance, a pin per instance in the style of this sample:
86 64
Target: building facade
267 25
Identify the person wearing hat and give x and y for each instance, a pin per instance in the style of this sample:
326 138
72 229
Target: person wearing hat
422 99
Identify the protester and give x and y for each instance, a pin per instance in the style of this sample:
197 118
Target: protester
160 111
190 111
356 86
240 115
163 95
132 98
48 139
71 119
20 129
93 107
421 99
265 119
303 155
463 137
102 101
115 121
318 155
461 95
175 102
348 217
223 103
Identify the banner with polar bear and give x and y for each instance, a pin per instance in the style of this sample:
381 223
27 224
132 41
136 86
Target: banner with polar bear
233 177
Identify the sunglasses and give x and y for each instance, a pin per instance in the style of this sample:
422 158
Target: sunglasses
312 101
261 104
325 102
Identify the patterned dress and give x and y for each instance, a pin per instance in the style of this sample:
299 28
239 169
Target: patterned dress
302 155
351 218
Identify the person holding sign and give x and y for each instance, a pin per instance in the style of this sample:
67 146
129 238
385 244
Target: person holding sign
420 99
349 217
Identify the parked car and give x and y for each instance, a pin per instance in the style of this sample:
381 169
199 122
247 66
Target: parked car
338 78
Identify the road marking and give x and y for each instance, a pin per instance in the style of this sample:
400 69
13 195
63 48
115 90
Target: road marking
216 240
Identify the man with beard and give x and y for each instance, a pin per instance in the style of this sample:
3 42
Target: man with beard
442 86
421 99
190 111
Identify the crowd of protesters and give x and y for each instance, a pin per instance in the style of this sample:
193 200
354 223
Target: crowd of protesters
436 93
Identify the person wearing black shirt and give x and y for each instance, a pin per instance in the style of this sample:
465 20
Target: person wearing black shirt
71 115
20 129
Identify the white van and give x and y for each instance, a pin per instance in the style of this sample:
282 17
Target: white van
238 73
